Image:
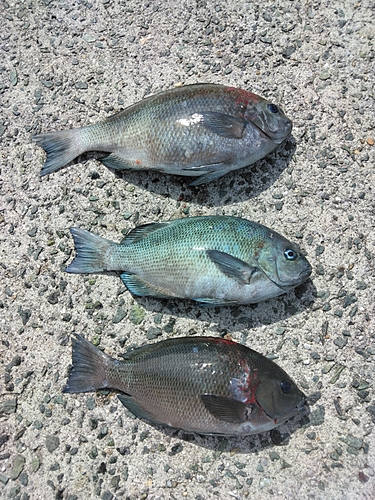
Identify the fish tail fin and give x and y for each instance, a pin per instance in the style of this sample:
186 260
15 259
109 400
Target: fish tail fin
89 367
92 252
61 148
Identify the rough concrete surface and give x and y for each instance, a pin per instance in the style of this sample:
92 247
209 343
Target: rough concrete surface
67 63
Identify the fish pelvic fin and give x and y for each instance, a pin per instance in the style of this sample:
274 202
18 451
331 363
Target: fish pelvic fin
92 252
211 176
61 148
89 367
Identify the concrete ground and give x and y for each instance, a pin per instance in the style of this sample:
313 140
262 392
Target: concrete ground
70 63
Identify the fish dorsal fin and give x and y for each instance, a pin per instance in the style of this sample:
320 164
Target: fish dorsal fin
146 349
232 266
139 233
224 125
225 408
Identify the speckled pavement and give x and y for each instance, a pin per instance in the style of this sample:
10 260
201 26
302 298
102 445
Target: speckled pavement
70 63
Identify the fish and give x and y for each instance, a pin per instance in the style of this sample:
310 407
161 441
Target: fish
214 260
205 385
200 130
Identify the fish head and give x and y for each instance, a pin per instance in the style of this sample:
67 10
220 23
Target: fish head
279 397
283 262
269 119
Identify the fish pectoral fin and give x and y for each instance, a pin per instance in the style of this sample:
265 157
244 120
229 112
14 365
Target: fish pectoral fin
231 266
139 233
212 302
115 162
225 408
134 407
139 287
224 125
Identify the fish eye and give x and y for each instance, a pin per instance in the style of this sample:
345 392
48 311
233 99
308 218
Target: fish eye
286 386
290 254
273 108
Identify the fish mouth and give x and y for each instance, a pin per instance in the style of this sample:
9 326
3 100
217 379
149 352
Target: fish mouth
305 273
302 276
301 410
276 137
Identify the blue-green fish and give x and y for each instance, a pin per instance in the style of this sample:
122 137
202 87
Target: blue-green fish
201 130
200 384
214 260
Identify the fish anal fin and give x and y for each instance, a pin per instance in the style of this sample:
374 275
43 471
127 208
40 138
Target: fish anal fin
232 266
115 162
137 410
138 286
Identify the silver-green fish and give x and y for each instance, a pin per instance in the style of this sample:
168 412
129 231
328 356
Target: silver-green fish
199 384
201 130
214 260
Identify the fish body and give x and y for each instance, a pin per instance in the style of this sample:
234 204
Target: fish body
201 130
214 260
199 384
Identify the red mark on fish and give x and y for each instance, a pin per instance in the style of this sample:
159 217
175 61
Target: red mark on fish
243 97
244 388
221 341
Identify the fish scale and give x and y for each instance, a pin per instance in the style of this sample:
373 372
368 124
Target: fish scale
201 130
200 384
215 260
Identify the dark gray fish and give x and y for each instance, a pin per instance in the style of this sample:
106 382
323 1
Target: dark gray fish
199 384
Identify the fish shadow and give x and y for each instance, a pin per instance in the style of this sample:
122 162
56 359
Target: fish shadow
229 319
234 187
253 443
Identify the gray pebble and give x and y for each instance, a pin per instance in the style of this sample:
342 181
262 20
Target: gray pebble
53 298
371 410
153 333
90 402
3 479
81 85
8 407
24 479
317 415
17 466
52 442
32 232
3 439
119 316
25 315
341 342
352 441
